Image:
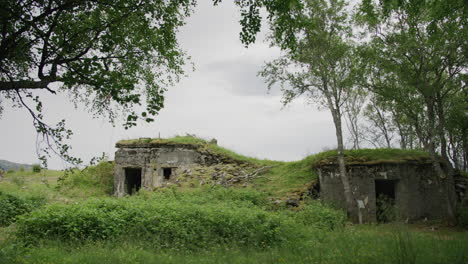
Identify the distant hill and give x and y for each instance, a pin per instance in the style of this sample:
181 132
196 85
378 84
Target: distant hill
8 165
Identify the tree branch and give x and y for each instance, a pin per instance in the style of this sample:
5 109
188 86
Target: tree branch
27 84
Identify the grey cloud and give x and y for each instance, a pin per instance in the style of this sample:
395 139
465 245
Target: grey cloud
239 76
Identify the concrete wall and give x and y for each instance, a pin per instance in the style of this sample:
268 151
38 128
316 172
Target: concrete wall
152 160
419 192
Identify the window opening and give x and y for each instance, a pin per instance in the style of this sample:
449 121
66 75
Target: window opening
167 173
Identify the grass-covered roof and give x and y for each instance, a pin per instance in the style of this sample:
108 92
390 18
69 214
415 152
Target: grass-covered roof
286 178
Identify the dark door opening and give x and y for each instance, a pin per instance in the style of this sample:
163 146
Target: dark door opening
133 180
167 172
385 200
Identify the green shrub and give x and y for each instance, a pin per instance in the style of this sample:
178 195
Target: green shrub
18 179
36 168
100 176
12 206
386 211
168 222
321 216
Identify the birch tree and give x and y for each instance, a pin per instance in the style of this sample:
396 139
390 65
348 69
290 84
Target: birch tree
318 65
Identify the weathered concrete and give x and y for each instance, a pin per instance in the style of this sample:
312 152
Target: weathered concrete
153 159
418 191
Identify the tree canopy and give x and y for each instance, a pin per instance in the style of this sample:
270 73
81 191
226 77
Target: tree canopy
105 54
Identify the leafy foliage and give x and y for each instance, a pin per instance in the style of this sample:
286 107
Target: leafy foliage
416 61
12 206
171 220
318 215
106 54
36 168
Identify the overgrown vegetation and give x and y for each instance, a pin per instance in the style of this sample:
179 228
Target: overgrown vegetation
201 144
369 156
355 245
189 222
169 219
98 178
12 206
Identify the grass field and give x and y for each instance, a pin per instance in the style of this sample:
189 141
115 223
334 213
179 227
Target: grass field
58 217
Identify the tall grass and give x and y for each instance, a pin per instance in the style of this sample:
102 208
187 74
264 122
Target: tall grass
353 245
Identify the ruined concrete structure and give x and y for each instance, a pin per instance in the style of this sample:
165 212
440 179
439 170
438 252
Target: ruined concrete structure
413 187
150 165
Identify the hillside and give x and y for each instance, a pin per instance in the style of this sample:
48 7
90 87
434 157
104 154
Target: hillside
8 165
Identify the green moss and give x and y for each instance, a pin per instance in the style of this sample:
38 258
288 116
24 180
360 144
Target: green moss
372 156
188 140
199 143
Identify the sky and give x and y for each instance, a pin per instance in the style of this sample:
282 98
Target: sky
223 99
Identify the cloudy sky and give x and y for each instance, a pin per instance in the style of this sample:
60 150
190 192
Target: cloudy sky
223 99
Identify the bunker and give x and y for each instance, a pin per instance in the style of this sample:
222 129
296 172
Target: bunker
151 163
148 165
387 191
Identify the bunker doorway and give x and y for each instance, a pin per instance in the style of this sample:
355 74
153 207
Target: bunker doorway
132 180
385 191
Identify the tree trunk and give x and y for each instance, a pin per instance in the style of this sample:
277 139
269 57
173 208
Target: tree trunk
433 155
341 162
334 106
450 182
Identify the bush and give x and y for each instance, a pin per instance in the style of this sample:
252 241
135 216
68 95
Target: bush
36 168
18 179
386 210
167 222
318 215
12 206
100 176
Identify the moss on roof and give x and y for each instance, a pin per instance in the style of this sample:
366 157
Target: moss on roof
178 140
193 142
371 156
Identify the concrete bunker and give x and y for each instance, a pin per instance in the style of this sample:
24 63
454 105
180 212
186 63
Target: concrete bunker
411 189
148 164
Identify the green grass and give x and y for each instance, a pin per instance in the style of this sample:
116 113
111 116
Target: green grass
30 183
189 140
366 244
200 144
196 220
372 156
59 186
